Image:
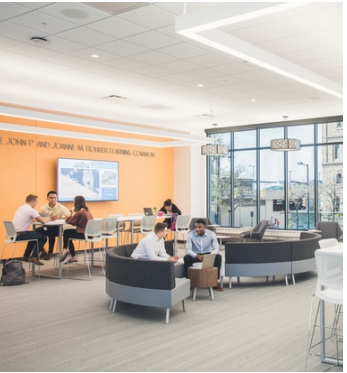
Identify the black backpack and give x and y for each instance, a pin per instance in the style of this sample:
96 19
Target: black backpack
13 273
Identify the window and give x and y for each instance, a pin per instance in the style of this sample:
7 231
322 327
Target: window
296 189
336 152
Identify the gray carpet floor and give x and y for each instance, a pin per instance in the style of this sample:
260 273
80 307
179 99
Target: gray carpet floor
65 325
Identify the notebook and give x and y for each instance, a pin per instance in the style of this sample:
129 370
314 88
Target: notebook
148 211
207 262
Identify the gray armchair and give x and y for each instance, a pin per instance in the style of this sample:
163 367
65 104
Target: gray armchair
330 229
257 232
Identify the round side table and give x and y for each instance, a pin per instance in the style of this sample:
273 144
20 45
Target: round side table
203 278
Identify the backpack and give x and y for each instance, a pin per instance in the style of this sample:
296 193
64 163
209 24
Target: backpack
173 222
13 273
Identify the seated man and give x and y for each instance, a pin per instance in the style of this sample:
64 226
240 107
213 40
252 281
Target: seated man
22 220
152 246
55 211
199 243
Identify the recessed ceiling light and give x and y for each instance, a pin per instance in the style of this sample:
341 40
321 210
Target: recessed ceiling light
253 100
200 85
75 13
95 55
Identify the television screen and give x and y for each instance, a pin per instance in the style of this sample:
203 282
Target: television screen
94 180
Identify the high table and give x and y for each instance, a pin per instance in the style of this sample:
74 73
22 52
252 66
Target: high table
131 219
324 359
59 223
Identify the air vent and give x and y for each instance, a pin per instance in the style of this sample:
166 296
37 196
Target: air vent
38 40
117 97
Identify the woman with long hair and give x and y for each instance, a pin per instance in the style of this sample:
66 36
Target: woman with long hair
79 217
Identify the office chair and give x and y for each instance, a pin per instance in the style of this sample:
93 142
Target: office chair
330 229
257 232
92 234
182 226
329 289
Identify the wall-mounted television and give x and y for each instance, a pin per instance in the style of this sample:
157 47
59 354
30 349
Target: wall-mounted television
94 180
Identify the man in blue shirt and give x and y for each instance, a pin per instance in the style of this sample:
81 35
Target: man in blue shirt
200 242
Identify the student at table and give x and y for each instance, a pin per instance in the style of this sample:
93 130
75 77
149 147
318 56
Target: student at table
55 211
79 218
170 208
152 246
201 241
22 220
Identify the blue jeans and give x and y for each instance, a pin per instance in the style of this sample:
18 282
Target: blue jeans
51 232
22 236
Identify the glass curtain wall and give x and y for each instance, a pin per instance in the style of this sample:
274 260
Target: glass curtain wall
293 190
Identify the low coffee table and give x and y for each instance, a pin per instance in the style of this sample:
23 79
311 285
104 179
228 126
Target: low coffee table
203 278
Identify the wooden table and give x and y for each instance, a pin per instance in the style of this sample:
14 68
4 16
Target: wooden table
203 278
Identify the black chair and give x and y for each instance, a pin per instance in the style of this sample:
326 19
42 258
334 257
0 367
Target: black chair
257 232
330 229
192 222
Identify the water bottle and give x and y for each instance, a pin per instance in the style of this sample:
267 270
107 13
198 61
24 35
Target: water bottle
154 210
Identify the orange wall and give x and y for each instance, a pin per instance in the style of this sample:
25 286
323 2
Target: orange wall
28 168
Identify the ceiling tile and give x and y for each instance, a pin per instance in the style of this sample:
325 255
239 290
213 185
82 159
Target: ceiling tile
88 52
16 32
154 71
44 23
9 10
127 64
122 48
152 40
153 57
86 36
61 45
150 16
183 50
117 27
74 12
210 59
180 66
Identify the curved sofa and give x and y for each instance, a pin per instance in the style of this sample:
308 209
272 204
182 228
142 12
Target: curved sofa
143 282
271 258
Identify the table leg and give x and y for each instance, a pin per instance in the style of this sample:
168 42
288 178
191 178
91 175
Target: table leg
132 231
60 246
118 233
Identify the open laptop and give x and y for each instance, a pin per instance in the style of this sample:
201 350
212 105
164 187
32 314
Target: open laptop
206 263
148 211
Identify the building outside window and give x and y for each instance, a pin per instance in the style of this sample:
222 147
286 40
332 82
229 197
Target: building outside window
293 190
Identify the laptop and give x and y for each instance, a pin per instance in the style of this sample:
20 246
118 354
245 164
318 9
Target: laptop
148 211
206 263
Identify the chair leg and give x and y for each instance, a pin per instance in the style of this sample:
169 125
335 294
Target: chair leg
87 260
293 278
113 305
183 305
167 315
311 336
286 279
230 282
211 293
194 293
